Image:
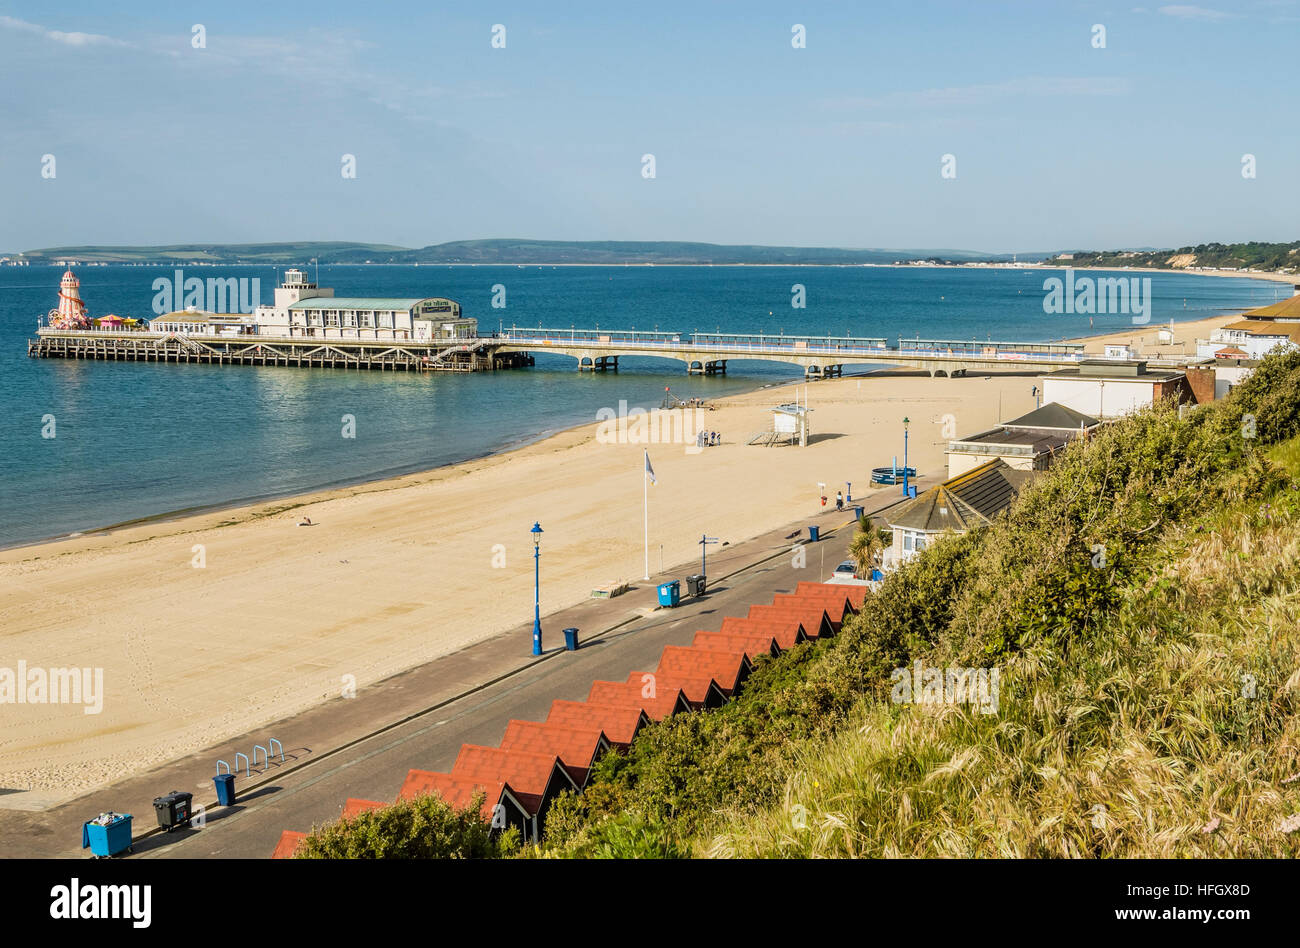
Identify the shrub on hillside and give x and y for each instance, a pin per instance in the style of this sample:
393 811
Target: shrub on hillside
423 828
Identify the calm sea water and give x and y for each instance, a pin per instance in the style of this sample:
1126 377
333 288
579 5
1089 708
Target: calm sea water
137 440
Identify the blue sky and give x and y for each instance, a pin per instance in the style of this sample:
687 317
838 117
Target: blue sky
1058 145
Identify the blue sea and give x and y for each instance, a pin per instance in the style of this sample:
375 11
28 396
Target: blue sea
138 440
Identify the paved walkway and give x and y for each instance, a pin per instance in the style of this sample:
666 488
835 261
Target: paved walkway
363 746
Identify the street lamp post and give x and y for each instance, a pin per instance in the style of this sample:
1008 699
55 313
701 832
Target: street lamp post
537 588
905 424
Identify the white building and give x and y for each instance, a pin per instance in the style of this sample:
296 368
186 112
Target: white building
197 323
1027 443
1107 389
1257 333
971 499
303 309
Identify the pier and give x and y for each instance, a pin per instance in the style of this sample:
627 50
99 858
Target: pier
384 355
819 356
309 327
593 350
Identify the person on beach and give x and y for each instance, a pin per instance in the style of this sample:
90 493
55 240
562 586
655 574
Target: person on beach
839 500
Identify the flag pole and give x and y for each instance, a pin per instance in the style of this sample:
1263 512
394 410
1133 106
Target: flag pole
645 489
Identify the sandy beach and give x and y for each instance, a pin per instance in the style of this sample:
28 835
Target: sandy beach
212 625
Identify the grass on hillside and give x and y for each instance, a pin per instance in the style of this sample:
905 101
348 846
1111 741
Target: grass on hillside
1174 733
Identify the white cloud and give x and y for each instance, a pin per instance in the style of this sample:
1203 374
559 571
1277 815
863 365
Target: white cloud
1185 12
59 36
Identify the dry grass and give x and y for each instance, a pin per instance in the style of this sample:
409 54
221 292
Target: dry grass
1172 732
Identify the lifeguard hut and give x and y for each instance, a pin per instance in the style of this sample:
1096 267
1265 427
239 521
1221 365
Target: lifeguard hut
71 311
789 426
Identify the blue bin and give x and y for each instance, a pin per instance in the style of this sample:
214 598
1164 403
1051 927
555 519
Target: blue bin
225 789
814 534
877 575
571 639
857 511
670 594
107 840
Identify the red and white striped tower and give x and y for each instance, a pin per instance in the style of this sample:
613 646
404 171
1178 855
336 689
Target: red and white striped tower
71 313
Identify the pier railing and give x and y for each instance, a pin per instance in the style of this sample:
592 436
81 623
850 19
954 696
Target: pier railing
782 342
597 336
645 339
778 343
978 346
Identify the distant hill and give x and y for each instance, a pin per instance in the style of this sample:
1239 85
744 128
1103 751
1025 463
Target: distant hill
511 251
1282 258
276 253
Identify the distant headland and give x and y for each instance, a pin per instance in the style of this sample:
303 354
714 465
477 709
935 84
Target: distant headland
1249 257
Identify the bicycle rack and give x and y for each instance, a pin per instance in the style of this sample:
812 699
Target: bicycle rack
248 771
273 743
266 758
219 763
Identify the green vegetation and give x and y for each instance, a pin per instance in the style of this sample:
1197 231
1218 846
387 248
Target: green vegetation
424 828
1139 604
866 547
1283 258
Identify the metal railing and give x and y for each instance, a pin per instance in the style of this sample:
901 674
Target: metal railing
782 343
595 336
979 346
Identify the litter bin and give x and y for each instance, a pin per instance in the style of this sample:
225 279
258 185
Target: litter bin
695 584
857 511
670 593
571 639
225 789
107 835
173 810
814 533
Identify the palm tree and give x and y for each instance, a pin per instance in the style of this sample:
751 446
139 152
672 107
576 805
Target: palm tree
865 547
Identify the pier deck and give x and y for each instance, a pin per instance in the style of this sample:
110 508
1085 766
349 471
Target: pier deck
594 350
384 355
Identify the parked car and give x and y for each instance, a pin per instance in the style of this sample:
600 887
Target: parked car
846 572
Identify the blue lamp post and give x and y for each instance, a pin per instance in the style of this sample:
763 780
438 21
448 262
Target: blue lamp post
537 588
905 424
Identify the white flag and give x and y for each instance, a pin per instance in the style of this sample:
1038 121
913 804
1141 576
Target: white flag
650 472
